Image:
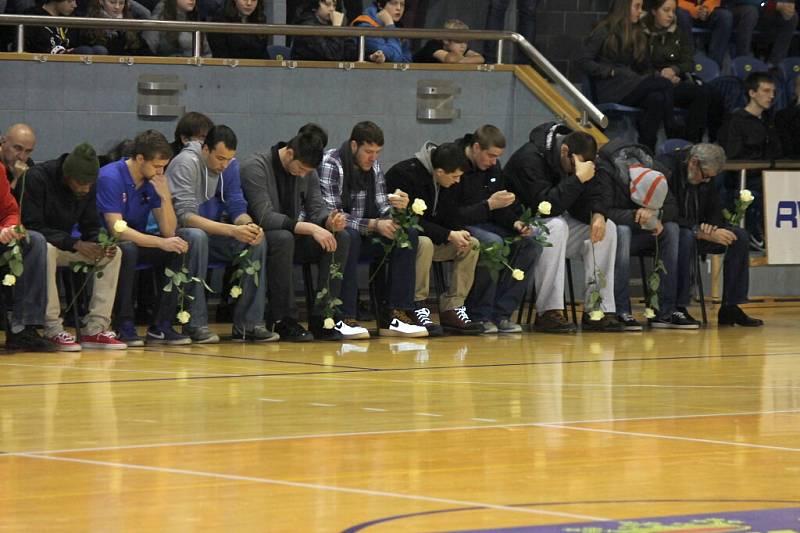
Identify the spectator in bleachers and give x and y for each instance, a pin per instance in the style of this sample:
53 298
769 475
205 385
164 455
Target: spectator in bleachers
777 18
353 183
130 189
29 289
54 39
749 134
672 56
385 14
113 42
617 59
60 194
557 166
526 24
281 186
212 213
448 51
429 175
317 47
240 45
709 15
787 123
16 147
170 43
192 126
491 214
703 229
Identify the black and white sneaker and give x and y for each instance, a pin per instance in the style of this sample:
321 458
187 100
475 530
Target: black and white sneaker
422 317
677 320
628 322
351 330
401 325
290 330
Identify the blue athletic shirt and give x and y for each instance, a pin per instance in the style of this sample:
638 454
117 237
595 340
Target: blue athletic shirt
116 193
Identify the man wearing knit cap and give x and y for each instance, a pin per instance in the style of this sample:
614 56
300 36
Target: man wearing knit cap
58 195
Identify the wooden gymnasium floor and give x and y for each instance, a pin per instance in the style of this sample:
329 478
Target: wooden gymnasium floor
692 430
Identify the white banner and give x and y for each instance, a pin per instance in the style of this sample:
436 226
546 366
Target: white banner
782 216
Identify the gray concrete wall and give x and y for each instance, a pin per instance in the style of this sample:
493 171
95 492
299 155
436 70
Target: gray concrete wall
67 103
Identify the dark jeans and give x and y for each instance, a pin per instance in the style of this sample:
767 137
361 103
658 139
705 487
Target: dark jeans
526 25
159 259
747 18
30 289
632 241
284 248
719 23
396 288
655 95
735 267
497 300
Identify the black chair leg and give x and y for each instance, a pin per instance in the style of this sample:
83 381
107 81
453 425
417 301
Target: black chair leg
699 278
571 289
645 287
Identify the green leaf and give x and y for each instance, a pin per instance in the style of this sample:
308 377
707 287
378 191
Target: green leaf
594 299
16 268
167 287
336 302
653 282
256 265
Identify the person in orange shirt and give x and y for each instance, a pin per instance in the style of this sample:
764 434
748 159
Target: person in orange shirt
709 15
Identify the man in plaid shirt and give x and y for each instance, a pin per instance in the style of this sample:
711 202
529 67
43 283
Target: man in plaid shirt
352 182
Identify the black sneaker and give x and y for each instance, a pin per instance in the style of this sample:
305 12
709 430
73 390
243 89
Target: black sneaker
732 315
320 332
257 334
677 320
607 324
422 317
291 331
628 322
28 340
686 312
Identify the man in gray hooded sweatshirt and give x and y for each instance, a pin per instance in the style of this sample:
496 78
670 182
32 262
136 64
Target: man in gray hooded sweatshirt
212 214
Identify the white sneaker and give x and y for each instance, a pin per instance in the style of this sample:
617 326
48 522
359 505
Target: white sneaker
507 326
489 327
351 330
401 325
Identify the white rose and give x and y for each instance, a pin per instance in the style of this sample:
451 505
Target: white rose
419 207
649 313
236 291
544 208
518 274
746 196
596 315
329 323
183 317
120 226
9 280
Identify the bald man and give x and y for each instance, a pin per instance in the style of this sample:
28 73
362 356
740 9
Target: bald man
16 147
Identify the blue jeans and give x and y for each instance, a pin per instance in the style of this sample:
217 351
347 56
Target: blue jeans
30 290
635 241
719 23
497 300
204 248
526 25
735 267
397 288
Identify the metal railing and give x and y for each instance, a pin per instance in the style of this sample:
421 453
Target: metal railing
587 108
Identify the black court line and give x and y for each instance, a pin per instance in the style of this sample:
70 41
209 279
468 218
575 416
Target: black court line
153 350
384 370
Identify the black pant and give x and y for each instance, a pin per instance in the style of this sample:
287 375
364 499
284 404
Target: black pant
655 95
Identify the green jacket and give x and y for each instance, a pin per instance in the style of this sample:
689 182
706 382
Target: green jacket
670 48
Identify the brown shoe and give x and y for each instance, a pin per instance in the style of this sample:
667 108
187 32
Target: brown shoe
457 321
553 321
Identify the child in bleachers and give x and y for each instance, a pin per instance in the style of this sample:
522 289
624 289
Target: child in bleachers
445 51
115 42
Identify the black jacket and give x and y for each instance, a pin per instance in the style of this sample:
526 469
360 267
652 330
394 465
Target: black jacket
534 174
316 48
623 210
471 196
50 207
696 203
413 177
237 45
745 136
48 39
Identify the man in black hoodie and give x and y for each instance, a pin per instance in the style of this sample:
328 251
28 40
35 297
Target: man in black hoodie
557 166
429 176
703 229
491 214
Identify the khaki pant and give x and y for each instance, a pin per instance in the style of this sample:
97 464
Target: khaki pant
463 271
103 290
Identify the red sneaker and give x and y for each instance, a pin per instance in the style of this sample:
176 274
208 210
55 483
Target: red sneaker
105 340
64 342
